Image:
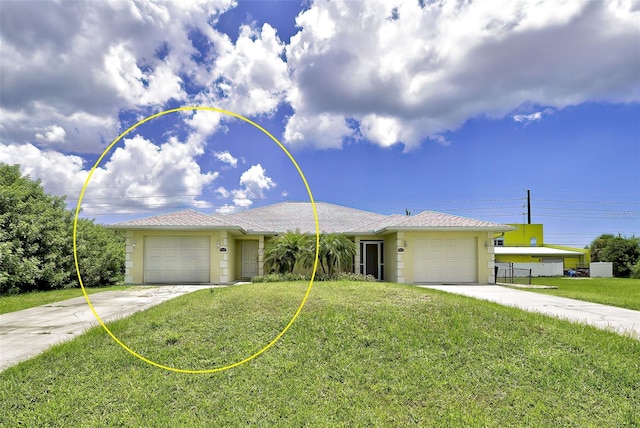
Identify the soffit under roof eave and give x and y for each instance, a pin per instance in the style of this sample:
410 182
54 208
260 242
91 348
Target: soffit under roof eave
348 232
445 229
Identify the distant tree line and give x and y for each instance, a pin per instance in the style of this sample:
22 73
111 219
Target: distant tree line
623 252
36 241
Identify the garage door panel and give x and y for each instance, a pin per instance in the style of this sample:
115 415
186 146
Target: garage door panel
177 259
445 260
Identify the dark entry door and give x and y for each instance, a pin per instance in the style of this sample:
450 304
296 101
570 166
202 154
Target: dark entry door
372 259
371 266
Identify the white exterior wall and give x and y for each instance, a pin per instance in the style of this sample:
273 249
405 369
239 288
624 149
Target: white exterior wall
537 269
601 270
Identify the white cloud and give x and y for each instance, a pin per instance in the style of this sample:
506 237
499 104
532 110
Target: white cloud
527 117
55 134
103 59
139 176
227 209
533 117
385 130
226 157
241 199
205 122
324 130
60 174
432 68
440 139
248 77
140 88
349 72
78 131
224 193
253 184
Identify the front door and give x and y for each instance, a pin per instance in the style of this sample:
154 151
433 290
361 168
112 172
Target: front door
249 259
372 259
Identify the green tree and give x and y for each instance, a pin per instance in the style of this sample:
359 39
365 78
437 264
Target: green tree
36 241
623 252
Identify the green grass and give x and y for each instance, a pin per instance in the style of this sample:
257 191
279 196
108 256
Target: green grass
360 354
17 302
620 292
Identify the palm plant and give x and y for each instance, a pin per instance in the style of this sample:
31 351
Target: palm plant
336 253
282 252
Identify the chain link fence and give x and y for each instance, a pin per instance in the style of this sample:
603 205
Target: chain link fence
513 275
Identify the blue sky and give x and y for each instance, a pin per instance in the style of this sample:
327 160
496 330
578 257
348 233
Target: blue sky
386 106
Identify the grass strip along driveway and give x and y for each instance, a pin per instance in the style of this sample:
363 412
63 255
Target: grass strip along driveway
359 354
620 292
18 302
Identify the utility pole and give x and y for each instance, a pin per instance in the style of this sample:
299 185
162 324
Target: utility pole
528 206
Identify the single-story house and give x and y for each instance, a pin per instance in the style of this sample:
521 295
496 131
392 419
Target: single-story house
192 247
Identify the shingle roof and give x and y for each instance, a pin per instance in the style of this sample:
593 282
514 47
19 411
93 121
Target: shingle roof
380 224
292 216
298 216
180 219
432 219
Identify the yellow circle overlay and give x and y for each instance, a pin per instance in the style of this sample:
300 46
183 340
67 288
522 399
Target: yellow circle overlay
315 216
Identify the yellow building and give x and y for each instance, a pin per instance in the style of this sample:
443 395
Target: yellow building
526 245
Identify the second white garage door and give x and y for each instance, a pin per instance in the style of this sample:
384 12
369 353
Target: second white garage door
445 260
176 259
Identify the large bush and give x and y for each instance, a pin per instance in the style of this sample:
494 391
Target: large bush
36 244
635 273
101 254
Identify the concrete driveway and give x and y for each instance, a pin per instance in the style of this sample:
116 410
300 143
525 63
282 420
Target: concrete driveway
27 333
619 320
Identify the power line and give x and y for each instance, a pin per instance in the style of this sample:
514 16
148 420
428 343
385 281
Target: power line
589 202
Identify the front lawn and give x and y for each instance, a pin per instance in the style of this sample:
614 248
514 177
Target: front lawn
18 302
360 354
621 292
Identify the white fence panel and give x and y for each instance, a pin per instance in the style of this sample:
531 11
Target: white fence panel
537 269
601 270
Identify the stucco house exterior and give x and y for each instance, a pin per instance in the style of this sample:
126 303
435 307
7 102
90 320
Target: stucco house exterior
192 247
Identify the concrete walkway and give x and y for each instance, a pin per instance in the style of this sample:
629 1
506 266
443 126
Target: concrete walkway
619 320
27 333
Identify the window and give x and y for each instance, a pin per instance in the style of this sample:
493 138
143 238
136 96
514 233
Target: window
534 242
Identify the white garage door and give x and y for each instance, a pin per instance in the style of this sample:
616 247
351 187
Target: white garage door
176 259
446 260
